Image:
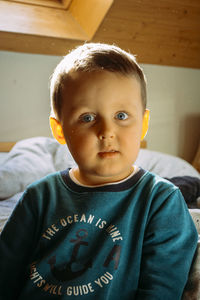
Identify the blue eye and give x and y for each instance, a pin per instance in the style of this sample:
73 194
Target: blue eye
86 118
121 116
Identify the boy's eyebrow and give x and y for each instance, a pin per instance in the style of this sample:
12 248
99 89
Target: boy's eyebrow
76 110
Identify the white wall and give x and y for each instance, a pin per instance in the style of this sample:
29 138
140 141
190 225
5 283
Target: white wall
24 90
173 98
174 101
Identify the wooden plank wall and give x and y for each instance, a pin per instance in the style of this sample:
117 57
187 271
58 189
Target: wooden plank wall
163 32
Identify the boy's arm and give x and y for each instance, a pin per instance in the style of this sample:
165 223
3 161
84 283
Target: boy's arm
169 247
16 247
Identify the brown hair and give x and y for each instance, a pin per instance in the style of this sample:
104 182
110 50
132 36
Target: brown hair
92 57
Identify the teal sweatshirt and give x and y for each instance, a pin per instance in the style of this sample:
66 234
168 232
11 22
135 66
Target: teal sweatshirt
130 240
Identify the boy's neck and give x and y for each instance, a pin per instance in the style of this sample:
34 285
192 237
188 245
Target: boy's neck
97 180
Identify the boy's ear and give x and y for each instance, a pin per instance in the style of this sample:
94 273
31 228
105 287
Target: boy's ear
145 124
57 131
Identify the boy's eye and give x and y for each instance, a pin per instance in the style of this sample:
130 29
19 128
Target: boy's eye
121 116
86 118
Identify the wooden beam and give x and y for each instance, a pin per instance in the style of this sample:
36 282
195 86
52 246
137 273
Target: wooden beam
66 3
46 3
89 14
21 18
27 43
6 146
143 144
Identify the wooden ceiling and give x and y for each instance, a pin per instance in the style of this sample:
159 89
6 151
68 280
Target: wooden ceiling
163 32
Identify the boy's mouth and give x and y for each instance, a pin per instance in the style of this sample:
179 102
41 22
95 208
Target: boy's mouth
108 153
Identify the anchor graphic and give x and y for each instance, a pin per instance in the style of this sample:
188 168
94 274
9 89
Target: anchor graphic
64 272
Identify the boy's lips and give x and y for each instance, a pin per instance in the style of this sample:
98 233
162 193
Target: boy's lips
108 153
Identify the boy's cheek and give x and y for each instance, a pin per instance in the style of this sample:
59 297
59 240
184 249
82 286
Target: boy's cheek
80 145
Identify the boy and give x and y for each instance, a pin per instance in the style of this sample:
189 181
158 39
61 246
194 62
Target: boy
105 229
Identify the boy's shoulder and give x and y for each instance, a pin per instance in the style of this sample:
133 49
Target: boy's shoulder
48 179
47 183
157 182
41 192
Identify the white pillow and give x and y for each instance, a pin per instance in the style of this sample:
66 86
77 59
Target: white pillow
165 165
28 161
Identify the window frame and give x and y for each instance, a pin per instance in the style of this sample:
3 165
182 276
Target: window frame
73 20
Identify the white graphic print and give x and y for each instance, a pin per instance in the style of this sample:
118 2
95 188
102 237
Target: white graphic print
61 278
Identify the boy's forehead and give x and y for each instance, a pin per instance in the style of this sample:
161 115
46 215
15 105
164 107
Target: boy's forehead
86 89
80 78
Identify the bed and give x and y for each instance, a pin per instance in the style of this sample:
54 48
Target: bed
31 159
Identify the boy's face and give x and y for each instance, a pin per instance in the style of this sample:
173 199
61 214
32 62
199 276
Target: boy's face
102 118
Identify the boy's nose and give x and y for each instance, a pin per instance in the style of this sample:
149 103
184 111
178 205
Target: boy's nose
106 131
105 136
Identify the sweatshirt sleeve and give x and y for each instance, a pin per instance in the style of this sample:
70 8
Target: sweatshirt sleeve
17 242
168 250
